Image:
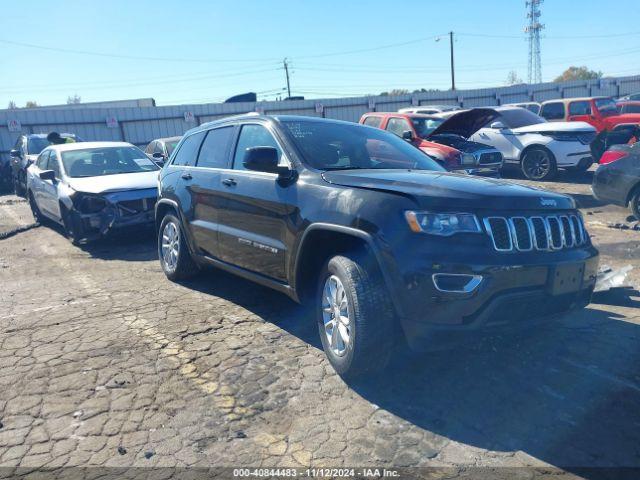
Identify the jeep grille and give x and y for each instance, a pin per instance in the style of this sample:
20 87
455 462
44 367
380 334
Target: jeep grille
551 232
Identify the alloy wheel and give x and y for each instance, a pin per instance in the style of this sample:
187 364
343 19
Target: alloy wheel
336 316
170 245
537 164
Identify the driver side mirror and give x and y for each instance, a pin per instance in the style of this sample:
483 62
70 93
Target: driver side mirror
263 159
48 175
15 153
407 135
498 126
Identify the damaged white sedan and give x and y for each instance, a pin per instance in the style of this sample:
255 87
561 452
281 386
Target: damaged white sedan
92 188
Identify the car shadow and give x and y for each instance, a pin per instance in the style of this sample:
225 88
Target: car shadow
566 392
133 245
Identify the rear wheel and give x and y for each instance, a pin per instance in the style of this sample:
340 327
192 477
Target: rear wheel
355 317
175 257
35 210
538 164
634 203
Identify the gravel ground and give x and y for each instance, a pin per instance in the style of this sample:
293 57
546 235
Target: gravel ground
103 362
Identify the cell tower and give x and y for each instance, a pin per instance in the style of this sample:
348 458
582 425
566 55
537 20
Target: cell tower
533 29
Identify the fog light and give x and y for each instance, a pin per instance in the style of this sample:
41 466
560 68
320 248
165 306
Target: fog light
455 282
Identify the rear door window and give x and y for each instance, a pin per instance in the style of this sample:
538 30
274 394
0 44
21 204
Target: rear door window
215 148
189 149
580 108
553 111
398 126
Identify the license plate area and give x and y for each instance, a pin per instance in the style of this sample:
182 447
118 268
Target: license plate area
566 278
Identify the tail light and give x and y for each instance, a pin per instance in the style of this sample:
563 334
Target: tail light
612 156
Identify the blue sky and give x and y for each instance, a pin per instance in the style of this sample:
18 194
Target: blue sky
204 51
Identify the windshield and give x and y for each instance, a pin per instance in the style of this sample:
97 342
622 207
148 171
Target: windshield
425 126
95 162
171 146
35 145
606 107
335 146
520 117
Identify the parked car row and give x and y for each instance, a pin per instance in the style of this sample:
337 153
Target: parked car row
480 139
368 231
339 216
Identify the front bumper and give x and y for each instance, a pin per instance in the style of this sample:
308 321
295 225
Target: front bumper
124 210
570 154
515 287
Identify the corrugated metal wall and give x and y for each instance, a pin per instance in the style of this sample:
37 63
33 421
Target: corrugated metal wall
140 125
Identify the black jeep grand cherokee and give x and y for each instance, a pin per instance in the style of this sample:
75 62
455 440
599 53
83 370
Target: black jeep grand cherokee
369 231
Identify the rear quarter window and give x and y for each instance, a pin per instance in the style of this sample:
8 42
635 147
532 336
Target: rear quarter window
552 111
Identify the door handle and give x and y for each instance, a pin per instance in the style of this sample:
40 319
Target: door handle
229 182
186 176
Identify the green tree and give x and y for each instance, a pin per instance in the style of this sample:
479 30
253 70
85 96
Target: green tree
30 104
578 73
12 105
74 100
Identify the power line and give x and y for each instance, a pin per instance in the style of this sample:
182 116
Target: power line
130 57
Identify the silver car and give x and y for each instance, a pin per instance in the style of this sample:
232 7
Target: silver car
92 188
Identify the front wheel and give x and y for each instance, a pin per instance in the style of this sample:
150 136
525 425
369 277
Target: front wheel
72 226
354 314
175 257
18 185
634 203
538 164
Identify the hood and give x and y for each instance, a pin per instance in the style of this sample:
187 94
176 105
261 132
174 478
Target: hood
467 123
581 127
450 191
115 183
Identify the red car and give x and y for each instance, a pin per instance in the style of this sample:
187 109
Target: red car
601 112
451 151
631 106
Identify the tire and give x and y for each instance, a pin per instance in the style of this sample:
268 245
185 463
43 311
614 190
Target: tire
72 228
538 164
35 210
581 168
361 343
634 203
173 251
18 187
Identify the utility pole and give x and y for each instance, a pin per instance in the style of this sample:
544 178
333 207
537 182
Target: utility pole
453 73
286 71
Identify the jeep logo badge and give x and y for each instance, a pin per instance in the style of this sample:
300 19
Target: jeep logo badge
548 202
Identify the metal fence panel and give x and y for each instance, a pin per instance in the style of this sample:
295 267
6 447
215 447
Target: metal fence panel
142 124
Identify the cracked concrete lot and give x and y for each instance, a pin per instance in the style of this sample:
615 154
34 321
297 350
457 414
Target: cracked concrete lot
103 362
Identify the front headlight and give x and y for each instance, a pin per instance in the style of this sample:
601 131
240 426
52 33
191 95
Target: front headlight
89 203
468 159
444 224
